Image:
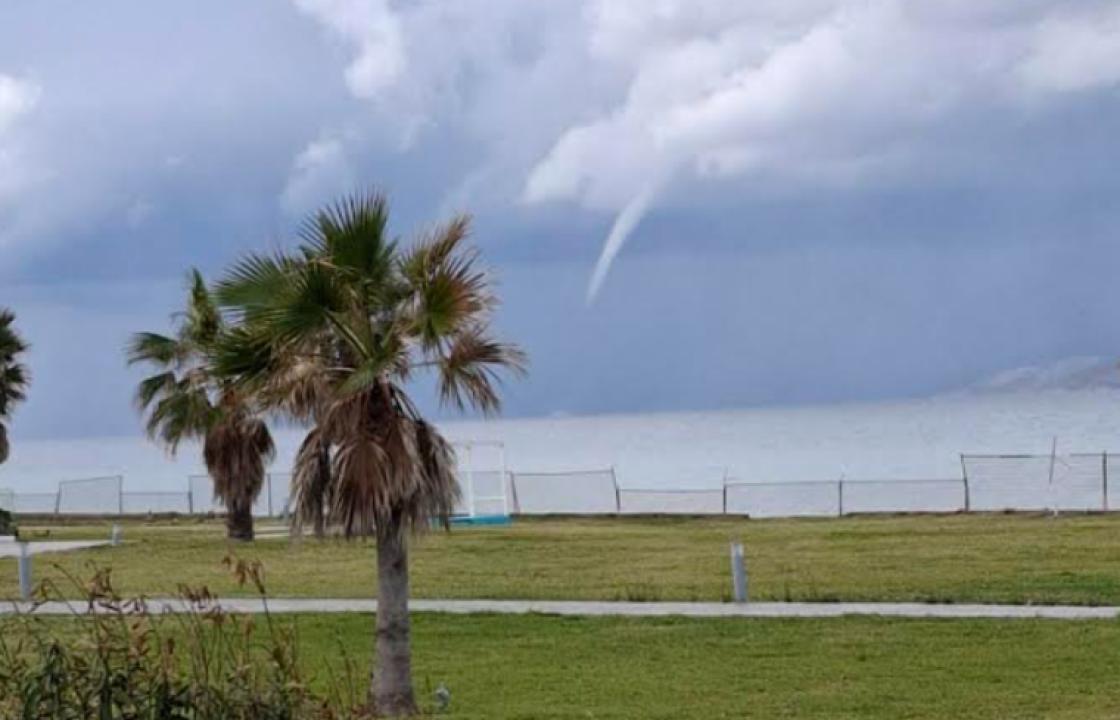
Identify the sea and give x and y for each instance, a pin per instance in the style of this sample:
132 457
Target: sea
897 440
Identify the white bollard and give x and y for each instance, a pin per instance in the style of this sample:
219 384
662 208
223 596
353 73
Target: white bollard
738 573
24 572
115 535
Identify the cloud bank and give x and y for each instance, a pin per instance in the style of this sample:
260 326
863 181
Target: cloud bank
680 92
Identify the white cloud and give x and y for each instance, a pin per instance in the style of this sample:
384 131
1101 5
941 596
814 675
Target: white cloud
320 172
602 102
1075 52
374 31
17 98
139 212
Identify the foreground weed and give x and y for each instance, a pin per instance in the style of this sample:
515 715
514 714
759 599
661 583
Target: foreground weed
120 658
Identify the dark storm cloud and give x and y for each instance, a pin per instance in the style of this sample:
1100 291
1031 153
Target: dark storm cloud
845 200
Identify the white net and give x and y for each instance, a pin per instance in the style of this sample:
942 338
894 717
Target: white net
90 496
1035 482
588 492
483 480
671 502
156 503
874 496
792 499
484 494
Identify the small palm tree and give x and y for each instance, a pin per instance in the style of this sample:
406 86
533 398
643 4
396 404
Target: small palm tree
364 314
14 377
186 400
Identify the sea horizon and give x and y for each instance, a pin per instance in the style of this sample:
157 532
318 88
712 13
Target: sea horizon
900 439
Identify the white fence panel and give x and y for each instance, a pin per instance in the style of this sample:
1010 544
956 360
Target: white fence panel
1008 482
1079 482
671 502
90 496
590 492
893 496
793 499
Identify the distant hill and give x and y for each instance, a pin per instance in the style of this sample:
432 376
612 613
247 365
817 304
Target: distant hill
1074 373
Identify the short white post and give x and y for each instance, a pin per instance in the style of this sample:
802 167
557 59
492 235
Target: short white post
115 535
24 572
738 573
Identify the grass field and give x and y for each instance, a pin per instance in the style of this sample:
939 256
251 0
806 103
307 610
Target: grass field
541 667
524 667
537 667
977 558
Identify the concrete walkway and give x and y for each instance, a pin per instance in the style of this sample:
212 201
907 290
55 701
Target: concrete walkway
11 549
631 609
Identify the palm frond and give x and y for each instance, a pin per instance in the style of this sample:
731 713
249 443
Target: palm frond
449 290
148 347
203 321
14 375
154 386
311 481
255 282
182 412
237 449
245 356
469 370
351 235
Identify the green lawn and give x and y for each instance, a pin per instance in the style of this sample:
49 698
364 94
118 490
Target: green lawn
539 667
532 667
982 558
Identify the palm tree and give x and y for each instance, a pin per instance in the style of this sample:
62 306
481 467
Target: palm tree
186 400
14 377
369 314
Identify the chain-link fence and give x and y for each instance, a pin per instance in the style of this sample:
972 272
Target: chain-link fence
1058 483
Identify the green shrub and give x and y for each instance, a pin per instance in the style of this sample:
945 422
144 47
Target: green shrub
7 524
127 661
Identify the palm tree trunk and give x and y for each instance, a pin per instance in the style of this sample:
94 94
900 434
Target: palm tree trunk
239 521
391 683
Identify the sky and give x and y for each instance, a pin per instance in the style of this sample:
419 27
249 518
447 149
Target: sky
688 204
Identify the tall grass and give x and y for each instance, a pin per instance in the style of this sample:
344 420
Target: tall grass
120 658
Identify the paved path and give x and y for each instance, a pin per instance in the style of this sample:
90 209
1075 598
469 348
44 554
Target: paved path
11 549
636 609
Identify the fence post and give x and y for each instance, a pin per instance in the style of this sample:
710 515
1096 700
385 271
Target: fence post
120 495
964 479
738 573
190 496
513 492
840 497
617 493
470 480
268 479
24 572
